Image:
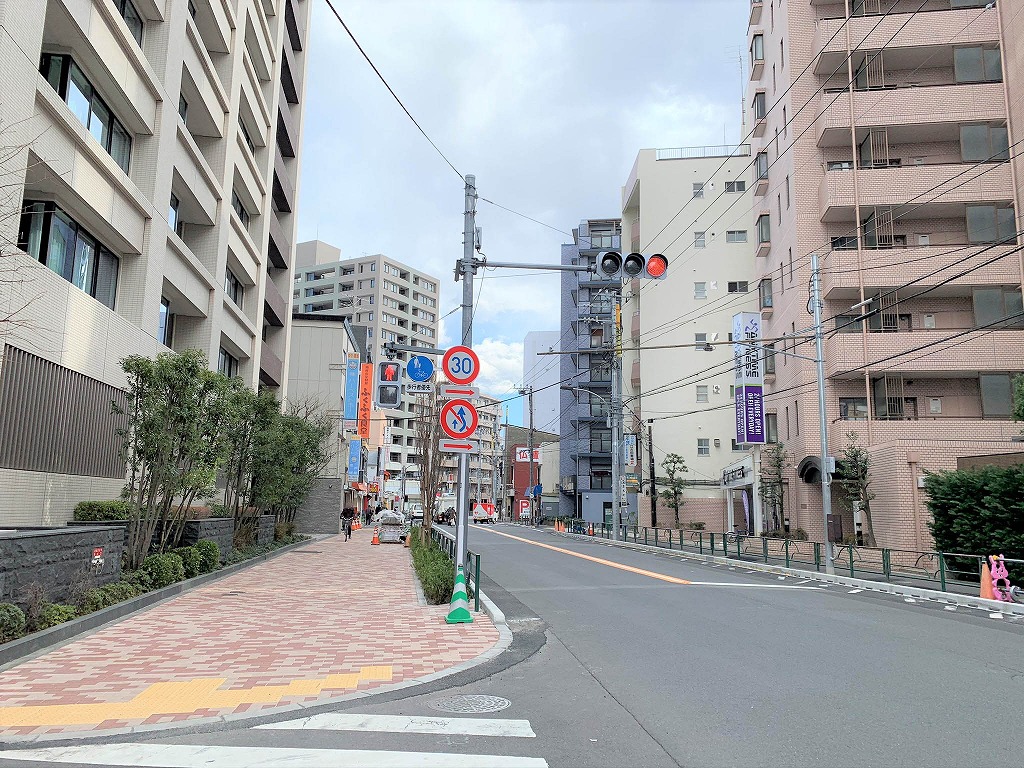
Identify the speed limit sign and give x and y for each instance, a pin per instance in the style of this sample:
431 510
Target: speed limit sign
461 365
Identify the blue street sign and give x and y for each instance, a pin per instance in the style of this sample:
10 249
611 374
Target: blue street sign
537 490
354 455
352 388
419 368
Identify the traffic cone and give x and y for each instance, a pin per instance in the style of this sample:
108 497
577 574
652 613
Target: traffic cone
986 583
459 609
590 531
376 538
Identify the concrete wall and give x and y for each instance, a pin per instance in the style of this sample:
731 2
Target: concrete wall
57 559
265 534
218 529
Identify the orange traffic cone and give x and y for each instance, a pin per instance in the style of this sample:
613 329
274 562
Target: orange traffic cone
590 531
376 538
986 583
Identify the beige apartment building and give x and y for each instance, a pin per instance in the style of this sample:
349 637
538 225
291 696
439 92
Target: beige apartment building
896 172
150 158
666 323
393 301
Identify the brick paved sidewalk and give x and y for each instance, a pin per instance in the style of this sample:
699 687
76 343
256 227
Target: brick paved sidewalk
318 622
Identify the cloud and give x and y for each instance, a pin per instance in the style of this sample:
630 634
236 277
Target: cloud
501 367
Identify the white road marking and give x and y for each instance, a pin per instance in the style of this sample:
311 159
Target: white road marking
909 600
195 756
460 726
995 615
949 607
781 578
738 584
854 591
804 581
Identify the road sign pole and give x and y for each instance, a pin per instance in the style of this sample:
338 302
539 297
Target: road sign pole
467 269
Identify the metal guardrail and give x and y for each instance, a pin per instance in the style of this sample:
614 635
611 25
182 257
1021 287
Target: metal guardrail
950 571
446 542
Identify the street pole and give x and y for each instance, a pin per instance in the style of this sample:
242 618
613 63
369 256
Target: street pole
533 486
615 407
403 503
467 269
826 480
654 482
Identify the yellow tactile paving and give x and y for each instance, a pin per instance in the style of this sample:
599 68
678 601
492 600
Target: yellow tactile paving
182 697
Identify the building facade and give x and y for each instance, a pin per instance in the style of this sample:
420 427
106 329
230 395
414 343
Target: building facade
540 372
587 326
518 472
679 392
899 175
394 301
483 466
150 159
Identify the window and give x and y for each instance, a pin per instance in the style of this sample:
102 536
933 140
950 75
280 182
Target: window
700 338
165 328
738 286
760 106
736 236
757 50
132 18
853 408
700 290
51 236
848 324
227 364
1001 307
764 229
771 427
844 243
600 441
702 393
839 165
239 209
698 240
788 199
790 266
990 224
982 143
765 291
778 202
698 189
782 53
246 137
598 407
977 64
735 186
996 395
761 165
769 359
233 288
71 84
703 446
174 218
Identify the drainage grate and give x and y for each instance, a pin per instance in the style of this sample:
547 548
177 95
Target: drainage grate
470 704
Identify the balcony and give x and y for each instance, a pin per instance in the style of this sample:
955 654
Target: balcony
902 34
911 106
287 131
279 247
274 307
284 191
634 375
974 352
294 25
756 6
895 266
933 190
288 82
271 367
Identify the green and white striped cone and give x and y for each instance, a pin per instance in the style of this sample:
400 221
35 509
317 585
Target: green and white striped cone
459 613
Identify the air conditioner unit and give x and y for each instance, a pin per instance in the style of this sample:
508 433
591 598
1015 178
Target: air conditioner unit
920 481
718 443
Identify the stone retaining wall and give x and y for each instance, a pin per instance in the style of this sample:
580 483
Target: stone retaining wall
58 559
265 534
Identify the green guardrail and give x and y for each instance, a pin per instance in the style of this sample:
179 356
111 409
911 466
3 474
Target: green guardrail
447 544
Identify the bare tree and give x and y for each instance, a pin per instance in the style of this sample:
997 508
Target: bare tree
428 435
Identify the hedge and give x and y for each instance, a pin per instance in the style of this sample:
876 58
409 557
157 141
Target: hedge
101 511
435 571
163 570
191 559
209 552
12 622
52 614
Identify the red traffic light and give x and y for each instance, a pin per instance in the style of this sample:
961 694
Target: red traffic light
657 265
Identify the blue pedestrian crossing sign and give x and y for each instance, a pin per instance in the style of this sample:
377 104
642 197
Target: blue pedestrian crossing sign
419 368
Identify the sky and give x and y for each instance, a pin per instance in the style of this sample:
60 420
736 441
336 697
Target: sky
546 103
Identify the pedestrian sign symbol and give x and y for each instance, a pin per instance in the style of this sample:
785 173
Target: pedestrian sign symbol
419 368
459 419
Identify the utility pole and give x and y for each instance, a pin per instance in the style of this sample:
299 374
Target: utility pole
826 479
654 482
615 407
467 270
528 391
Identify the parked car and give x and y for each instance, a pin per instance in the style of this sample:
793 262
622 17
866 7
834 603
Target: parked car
416 513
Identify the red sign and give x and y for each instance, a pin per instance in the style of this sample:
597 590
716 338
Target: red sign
97 551
365 406
461 365
524 507
459 419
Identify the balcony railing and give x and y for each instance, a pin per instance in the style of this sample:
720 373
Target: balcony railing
690 153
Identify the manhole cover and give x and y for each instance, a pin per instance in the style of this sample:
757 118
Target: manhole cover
470 704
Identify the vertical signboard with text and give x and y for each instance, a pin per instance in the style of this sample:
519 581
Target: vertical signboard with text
365 409
351 392
748 359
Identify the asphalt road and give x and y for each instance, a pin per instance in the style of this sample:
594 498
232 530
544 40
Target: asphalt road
625 658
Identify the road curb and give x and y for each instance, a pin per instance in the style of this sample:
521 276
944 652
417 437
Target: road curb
37 643
951 598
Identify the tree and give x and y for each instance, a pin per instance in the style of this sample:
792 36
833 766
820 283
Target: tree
675 468
1018 398
428 435
249 415
774 460
853 476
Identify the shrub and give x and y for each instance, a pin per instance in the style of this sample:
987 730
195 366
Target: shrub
209 553
33 598
164 569
192 559
12 622
91 600
140 580
53 614
118 592
93 511
799 535
285 530
435 571
697 525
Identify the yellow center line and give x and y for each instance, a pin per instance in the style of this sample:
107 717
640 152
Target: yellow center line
598 560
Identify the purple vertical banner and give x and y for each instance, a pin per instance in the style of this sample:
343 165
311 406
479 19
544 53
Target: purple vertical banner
753 400
741 432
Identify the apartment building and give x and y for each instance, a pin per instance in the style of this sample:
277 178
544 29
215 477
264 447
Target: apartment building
150 158
587 323
540 371
672 382
483 467
897 173
394 301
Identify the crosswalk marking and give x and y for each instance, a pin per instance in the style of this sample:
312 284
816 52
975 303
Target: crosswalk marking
457 726
194 756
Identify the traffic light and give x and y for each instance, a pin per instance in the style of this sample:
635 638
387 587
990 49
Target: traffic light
389 384
612 266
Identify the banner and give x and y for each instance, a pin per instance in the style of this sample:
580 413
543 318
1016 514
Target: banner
629 450
352 390
365 400
523 454
355 454
748 360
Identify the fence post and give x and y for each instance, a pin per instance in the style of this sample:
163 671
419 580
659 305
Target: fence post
645 535
476 585
738 540
764 548
670 538
942 571
656 537
712 535
851 561
887 564
817 556
787 552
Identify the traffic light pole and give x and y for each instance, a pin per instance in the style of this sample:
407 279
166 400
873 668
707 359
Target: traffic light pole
616 418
